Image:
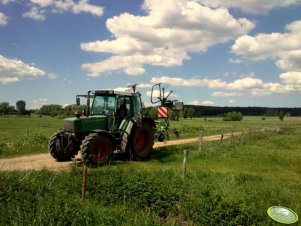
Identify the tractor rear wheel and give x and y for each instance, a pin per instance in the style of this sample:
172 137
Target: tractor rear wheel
62 147
96 150
142 141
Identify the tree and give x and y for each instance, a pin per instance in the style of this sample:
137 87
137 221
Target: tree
4 108
52 109
190 112
20 105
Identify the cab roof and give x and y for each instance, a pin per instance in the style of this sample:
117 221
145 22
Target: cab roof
113 92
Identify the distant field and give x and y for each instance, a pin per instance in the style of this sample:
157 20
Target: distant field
29 135
26 135
232 183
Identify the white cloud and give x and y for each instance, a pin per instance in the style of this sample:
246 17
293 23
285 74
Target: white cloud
245 83
204 102
231 101
14 70
86 7
36 104
35 13
255 86
226 94
283 48
252 6
5 2
164 37
291 78
42 3
38 8
3 19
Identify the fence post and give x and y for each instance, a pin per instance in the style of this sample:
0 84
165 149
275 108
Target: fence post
201 141
84 185
184 163
221 140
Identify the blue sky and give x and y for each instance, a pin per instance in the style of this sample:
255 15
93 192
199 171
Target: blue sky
209 52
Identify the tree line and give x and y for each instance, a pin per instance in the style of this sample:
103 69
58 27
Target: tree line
189 111
51 110
20 108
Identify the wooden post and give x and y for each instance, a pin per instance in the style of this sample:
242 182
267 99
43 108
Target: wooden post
221 140
184 163
201 141
84 185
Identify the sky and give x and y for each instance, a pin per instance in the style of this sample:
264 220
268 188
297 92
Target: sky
209 52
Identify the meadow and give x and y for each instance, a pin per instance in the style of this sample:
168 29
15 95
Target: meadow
226 183
30 135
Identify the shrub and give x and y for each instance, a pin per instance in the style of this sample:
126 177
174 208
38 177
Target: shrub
233 116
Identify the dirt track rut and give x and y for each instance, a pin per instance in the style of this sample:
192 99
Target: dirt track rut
45 161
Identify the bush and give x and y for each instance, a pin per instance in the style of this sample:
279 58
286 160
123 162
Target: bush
233 116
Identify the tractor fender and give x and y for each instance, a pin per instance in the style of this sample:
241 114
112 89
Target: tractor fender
107 134
149 121
125 128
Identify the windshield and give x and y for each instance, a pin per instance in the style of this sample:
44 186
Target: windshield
103 105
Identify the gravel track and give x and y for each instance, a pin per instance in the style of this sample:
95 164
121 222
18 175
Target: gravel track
45 161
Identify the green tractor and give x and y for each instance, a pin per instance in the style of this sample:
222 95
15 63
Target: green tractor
112 123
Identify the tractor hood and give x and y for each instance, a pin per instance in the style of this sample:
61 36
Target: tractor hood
86 124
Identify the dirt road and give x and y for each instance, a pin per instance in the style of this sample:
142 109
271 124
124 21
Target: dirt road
45 161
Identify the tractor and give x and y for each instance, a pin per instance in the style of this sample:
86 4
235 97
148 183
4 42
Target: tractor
111 123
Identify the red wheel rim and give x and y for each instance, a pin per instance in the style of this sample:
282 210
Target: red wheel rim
100 150
140 141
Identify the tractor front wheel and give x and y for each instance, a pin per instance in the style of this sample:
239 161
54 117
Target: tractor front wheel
96 150
62 147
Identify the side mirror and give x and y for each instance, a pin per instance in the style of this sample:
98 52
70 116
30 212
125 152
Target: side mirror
77 100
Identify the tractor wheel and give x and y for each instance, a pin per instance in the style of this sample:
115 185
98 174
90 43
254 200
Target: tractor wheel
142 141
96 150
62 147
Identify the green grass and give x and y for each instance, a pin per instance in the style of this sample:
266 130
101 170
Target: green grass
229 184
26 135
30 135
215 125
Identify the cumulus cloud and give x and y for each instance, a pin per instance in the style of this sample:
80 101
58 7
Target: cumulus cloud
254 6
291 78
38 8
291 82
164 36
35 13
226 94
3 19
283 48
14 70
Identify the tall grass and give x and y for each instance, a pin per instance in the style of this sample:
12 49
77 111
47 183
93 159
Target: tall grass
229 184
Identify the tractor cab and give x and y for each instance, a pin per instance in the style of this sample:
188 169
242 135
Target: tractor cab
112 105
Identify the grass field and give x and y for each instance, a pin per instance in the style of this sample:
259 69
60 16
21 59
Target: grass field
226 184
29 135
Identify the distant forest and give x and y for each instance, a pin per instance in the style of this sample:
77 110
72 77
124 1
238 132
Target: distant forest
200 111
189 111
